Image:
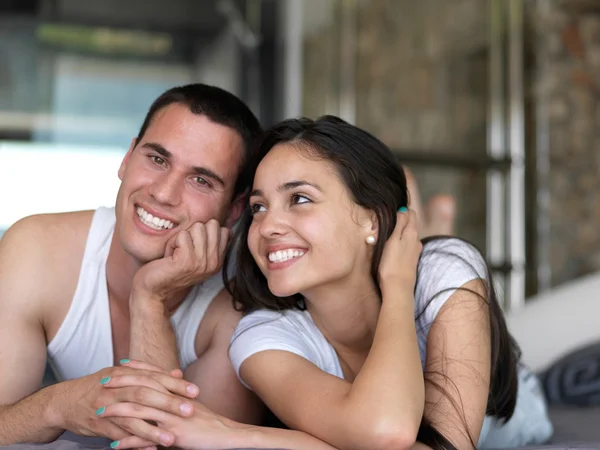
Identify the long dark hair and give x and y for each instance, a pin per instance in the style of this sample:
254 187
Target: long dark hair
377 182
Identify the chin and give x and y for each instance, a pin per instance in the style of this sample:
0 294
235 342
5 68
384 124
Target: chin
143 252
282 289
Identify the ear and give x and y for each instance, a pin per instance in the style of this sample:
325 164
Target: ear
370 223
235 210
126 159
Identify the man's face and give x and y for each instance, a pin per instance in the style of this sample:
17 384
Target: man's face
183 171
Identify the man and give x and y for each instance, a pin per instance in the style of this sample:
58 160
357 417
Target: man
92 288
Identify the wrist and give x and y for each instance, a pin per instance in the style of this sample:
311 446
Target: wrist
397 288
146 300
54 407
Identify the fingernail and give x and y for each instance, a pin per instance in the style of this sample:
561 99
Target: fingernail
192 390
114 444
186 408
100 410
165 438
403 209
104 380
125 361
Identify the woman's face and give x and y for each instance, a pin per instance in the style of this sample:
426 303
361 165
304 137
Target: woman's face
306 231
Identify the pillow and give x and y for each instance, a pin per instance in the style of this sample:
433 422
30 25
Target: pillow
575 378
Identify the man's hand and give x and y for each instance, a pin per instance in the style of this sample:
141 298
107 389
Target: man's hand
191 256
81 404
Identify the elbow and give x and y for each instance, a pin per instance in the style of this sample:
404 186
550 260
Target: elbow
394 438
388 434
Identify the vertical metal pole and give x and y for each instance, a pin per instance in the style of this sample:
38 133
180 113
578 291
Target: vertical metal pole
544 269
293 47
516 195
348 59
496 231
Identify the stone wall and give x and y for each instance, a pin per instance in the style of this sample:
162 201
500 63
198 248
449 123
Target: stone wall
566 82
421 86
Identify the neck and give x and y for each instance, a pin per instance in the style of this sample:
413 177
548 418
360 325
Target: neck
346 314
120 270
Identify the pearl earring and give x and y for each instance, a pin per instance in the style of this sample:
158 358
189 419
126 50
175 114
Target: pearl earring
370 240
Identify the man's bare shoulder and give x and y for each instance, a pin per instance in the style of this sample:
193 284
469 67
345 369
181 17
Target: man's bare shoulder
49 231
42 254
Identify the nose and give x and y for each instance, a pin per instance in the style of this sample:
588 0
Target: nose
274 223
166 189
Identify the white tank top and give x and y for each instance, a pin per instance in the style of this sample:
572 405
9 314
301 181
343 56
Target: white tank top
83 344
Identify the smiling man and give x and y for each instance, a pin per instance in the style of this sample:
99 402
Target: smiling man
90 289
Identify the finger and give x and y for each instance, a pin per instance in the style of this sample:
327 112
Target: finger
132 442
139 427
411 224
129 441
151 398
213 238
135 364
155 380
182 246
108 429
176 373
223 244
401 222
198 234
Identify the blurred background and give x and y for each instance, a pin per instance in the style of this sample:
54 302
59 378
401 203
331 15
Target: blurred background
494 102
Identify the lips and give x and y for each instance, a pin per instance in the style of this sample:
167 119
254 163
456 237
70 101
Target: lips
154 221
283 255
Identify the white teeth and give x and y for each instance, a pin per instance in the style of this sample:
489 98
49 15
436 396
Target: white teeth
153 222
284 255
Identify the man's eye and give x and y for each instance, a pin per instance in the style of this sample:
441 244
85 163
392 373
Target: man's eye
158 160
201 181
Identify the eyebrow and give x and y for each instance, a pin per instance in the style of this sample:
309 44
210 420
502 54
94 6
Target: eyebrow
204 171
288 186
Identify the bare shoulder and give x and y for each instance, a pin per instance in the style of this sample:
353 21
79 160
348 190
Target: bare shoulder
41 254
218 323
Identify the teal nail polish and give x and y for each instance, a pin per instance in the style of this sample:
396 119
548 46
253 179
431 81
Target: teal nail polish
104 380
403 209
125 361
114 444
100 410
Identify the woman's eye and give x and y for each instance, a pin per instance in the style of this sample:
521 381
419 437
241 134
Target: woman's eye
298 199
257 207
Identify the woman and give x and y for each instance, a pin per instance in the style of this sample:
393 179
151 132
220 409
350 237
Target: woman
339 335
355 334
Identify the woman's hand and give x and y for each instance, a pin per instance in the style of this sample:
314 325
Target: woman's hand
398 267
201 430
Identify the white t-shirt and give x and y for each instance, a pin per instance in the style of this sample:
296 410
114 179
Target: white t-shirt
445 265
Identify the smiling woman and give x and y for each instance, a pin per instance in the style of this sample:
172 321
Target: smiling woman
356 332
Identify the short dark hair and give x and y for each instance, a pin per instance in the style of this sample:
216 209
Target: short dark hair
221 107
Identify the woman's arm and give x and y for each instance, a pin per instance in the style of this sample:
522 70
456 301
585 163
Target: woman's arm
383 407
457 370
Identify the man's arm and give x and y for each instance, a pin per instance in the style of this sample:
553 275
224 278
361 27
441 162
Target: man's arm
191 256
220 389
152 336
22 339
